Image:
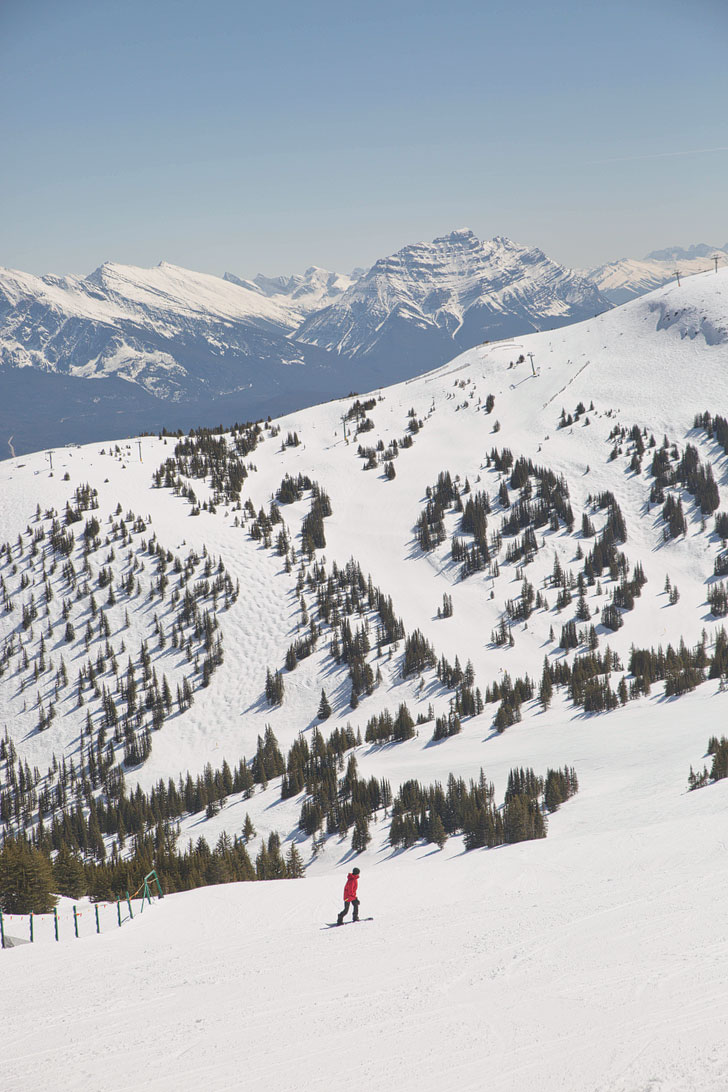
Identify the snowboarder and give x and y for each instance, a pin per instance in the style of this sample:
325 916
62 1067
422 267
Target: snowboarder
352 882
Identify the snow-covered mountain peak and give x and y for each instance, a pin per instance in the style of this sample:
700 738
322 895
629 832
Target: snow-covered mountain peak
430 299
171 290
459 235
504 242
303 293
98 275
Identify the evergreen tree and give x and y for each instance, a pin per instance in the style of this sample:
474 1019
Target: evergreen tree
437 831
523 819
69 878
26 880
324 709
361 836
294 864
582 609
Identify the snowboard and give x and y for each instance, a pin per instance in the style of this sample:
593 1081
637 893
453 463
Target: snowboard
335 924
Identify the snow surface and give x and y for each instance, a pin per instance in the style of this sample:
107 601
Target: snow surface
594 960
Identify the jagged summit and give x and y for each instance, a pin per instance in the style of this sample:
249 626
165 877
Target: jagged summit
429 300
305 292
464 233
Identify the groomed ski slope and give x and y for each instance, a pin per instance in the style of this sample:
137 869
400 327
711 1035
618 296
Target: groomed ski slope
592 961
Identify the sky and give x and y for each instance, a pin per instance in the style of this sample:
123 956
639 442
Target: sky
227 135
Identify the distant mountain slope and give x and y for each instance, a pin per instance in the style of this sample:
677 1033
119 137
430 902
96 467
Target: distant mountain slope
429 301
160 328
307 292
128 348
681 254
623 280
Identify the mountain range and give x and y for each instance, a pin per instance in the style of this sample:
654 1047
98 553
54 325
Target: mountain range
424 304
127 348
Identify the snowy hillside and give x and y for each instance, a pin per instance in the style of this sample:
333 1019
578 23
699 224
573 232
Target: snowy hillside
592 960
631 363
512 563
430 299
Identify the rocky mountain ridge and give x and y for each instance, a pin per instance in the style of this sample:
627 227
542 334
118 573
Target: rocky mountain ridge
429 301
127 349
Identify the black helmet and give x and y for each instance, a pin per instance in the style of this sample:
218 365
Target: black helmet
355 871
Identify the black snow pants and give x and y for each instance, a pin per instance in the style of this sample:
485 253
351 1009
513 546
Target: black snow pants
345 911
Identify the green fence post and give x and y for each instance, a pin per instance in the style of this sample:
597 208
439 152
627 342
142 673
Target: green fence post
31 928
55 921
2 931
131 912
118 911
159 886
75 922
96 908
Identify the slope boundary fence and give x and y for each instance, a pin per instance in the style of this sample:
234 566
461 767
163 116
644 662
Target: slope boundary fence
72 922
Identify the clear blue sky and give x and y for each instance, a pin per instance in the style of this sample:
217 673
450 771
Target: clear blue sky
225 135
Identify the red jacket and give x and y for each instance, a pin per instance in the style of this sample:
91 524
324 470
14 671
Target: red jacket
350 888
